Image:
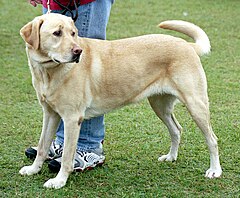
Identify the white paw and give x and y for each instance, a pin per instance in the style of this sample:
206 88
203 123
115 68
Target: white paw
213 173
55 183
168 157
29 170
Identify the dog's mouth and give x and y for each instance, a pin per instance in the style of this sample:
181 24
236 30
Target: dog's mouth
74 59
56 61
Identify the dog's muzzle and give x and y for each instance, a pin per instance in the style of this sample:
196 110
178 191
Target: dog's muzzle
77 51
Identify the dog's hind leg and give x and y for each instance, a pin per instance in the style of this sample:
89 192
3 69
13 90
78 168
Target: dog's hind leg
198 107
163 106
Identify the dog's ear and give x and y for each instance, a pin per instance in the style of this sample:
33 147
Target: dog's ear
30 32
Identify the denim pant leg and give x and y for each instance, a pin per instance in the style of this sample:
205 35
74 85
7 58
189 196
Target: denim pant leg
92 22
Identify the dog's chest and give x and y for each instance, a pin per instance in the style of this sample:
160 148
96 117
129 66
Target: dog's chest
45 96
44 87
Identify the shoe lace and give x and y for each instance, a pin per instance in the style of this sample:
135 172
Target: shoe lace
81 153
88 156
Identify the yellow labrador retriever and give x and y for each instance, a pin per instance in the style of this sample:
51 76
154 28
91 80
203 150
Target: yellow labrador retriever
78 78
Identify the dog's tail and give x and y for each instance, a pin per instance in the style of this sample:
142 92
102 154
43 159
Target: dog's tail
202 44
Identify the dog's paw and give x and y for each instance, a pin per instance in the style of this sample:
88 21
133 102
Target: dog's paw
29 170
168 158
55 183
213 173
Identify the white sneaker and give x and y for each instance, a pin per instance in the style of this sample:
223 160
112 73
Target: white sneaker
82 161
54 152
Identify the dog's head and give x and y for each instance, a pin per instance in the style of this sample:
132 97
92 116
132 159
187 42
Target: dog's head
53 37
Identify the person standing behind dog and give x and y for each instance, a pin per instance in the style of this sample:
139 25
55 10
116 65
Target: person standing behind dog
91 18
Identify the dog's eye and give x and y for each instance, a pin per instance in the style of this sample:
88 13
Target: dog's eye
73 33
57 33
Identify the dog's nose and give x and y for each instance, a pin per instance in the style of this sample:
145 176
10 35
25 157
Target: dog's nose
76 50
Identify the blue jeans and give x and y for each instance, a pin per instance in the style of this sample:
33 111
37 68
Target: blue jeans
92 22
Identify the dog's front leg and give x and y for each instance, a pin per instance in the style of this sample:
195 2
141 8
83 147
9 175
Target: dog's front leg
72 126
50 122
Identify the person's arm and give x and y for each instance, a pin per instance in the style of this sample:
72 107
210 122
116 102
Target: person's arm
35 2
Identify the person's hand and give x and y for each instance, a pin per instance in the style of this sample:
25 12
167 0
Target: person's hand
35 2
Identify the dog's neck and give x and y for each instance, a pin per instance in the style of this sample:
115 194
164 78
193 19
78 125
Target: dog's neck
40 59
45 70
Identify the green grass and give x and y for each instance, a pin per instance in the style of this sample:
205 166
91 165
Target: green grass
134 135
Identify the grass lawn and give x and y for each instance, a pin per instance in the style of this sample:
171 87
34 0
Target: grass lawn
134 135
